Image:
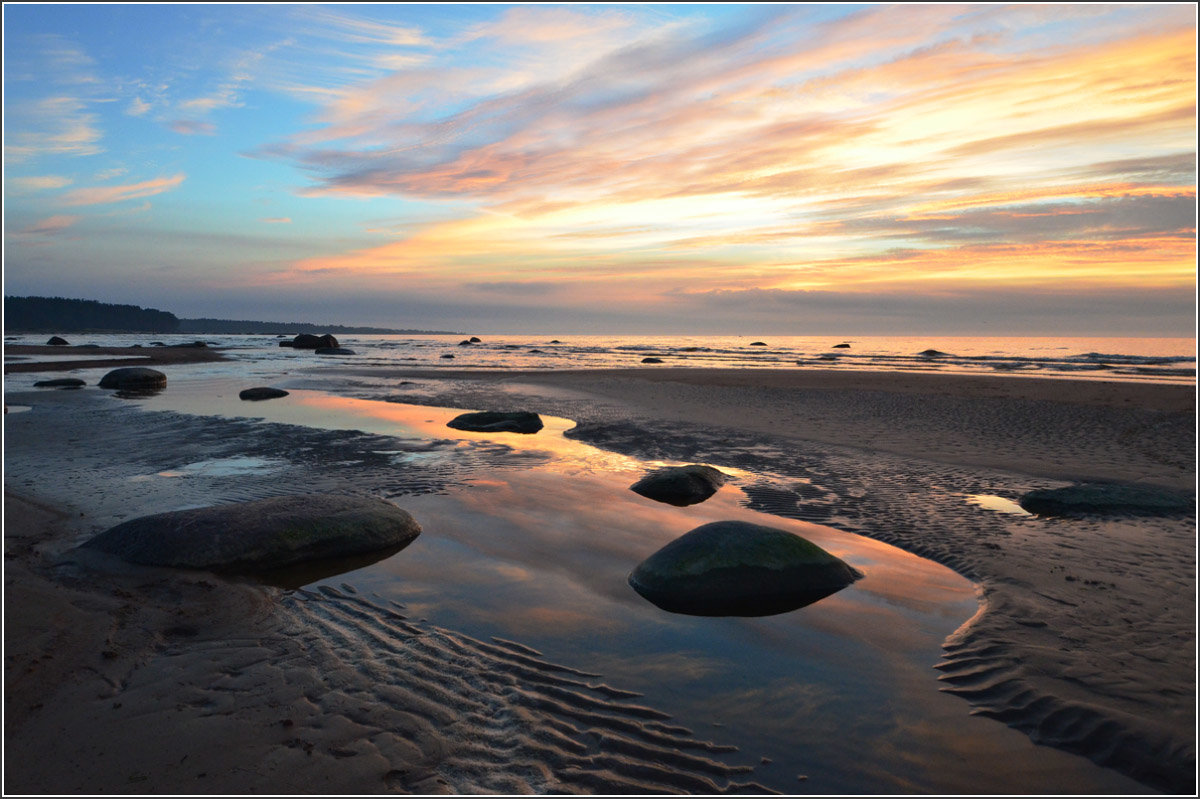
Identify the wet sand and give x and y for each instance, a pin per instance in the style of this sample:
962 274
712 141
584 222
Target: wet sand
187 683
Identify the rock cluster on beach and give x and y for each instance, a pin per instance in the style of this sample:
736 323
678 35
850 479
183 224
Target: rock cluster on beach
680 485
259 535
733 568
497 422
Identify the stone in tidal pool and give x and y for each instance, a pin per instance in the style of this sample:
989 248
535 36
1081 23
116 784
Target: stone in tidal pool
60 382
261 393
734 568
135 378
680 485
260 535
1110 499
497 422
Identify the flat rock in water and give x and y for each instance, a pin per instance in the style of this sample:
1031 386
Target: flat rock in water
134 377
841 346
1112 499
265 534
497 422
60 382
734 568
680 485
652 360
261 393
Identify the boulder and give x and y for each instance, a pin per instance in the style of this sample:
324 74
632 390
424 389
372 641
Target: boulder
932 353
1109 499
652 360
334 351
680 485
260 535
466 342
190 344
841 346
734 568
138 378
60 382
261 393
497 422
55 341
307 341
758 343
285 343
475 340
448 355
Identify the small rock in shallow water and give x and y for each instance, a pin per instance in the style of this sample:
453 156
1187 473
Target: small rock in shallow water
61 382
134 377
734 568
680 485
261 393
497 422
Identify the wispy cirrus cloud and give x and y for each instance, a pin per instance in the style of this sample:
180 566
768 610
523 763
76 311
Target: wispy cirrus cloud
193 127
40 182
101 195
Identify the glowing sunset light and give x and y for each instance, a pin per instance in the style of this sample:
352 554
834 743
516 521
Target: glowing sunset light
733 167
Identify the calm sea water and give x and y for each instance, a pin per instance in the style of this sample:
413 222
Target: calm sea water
1126 359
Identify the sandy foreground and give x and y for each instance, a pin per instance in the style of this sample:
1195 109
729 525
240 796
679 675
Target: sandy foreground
189 683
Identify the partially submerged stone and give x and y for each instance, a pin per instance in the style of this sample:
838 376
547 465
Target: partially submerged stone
260 535
497 422
734 568
137 378
60 382
261 393
57 341
652 360
680 485
1112 499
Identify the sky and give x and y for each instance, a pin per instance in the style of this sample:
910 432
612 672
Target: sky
795 169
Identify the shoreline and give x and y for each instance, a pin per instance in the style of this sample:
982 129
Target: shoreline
121 356
900 444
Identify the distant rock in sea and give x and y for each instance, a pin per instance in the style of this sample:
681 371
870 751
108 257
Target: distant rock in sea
56 341
733 568
758 343
261 393
307 341
136 378
652 360
60 382
680 485
841 346
932 353
475 340
448 355
1107 499
265 534
497 422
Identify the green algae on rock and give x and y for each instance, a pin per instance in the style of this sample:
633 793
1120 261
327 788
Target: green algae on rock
733 568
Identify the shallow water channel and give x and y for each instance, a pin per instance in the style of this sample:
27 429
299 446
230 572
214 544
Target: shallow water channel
837 697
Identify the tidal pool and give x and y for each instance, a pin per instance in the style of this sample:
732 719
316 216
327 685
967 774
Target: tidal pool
537 549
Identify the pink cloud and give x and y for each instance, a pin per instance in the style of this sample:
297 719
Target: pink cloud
192 127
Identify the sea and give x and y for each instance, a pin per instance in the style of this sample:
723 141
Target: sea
1157 360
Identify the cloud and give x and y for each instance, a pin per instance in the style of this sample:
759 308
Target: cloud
100 195
50 226
192 127
137 107
57 125
277 220
40 182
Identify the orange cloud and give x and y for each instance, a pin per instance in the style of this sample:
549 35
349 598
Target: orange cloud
100 195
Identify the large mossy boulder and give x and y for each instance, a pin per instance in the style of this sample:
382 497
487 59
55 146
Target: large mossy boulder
1106 499
680 485
260 535
734 568
497 422
134 378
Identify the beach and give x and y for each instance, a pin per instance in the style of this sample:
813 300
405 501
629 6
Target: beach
1079 650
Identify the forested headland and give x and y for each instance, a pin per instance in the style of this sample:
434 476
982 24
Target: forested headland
61 315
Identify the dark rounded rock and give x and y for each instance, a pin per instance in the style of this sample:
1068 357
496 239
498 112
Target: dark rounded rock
57 342
306 341
448 356
733 568
475 340
328 340
1109 499
932 353
134 377
652 360
555 341
334 351
261 393
466 342
841 346
497 422
265 534
535 352
60 382
190 344
680 485
758 343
